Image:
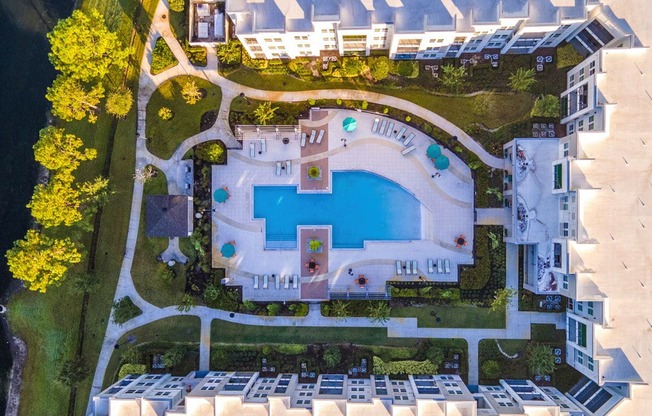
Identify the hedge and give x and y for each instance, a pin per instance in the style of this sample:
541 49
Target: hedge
162 57
404 367
127 369
477 276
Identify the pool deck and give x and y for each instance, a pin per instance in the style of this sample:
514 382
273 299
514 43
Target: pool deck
447 209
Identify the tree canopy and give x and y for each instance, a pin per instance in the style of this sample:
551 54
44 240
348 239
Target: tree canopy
191 92
41 261
83 48
73 372
546 106
119 102
453 77
541 360
61 152
73 101
229 53
55 204
380 67
211 152
264 112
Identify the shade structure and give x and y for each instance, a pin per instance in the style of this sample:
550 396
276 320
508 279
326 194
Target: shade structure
433 151
228 250
221 195
442 162
349 124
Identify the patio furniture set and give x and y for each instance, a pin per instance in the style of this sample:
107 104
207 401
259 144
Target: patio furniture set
287 281
313 135
411 267
543 130
386 129
541 60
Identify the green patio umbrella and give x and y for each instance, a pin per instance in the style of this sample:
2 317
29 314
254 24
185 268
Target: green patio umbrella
221 195
442 162
228 250
349 124
433 151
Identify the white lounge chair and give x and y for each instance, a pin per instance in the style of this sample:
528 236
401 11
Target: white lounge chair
303 139
431 266
415 267
321 136
401 132
408 150
383 126
375 127
295 281
440 269
287 281
288 167
263 145
252 150
256 282
277 282
408 266
399 267
278 168
312 136
409 139
447 266
390 129
265 281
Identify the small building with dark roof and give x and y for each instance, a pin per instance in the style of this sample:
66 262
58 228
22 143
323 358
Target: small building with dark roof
168 215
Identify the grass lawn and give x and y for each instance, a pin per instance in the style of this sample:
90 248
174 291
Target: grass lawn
462 316
165 136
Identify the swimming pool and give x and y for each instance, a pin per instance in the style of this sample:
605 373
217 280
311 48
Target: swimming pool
363 206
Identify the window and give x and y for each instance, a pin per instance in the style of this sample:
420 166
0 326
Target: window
571 128
571 80
589 308
582 74
566 147
581 334
564 282
558 176
580 125
563 203
580 306
592 68
563 229
556 255
580 357
591 122
589 363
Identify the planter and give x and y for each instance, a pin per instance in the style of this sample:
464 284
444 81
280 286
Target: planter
314 173
315 245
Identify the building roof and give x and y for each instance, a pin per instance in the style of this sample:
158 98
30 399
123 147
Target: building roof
168 215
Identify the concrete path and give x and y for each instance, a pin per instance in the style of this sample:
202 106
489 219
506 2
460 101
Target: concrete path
205 344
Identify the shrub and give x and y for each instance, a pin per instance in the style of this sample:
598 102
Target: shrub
364 105
166 273
408 119
522 79
299 309
132 355
119 102
291 349
477 276
404 367
546 106
162 57
339 101
249 305
311 101
177 5
502 299
352 66
73 372
211 152
491 369
541 360
127 369
385 110
380 67
393 353
266 350
273 308
231 53
332 357
567 56
211 293
191 92
409 69
165 113
124 309
435 355
174 355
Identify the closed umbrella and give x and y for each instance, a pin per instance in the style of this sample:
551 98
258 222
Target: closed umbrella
221 195
349 124
442 162
433 151
228 250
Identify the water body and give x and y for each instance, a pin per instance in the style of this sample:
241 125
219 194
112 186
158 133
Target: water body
25 72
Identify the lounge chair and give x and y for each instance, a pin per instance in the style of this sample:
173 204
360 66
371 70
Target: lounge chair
408 266
390 129
375 127
263 145
265 281
252 150
287 281
408 150
409 139
321 136
401 132
447 266
440 269
431 266
383 126
288 167
303 139
312 136
415 267
277 281
295 281
399 267
256 282
278 168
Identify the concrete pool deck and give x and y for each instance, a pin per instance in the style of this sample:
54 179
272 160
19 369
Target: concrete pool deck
446 210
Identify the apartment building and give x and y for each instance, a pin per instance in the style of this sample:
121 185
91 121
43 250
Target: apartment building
413 29
204 393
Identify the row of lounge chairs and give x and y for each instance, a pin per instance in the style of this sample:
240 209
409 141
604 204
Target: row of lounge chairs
287 281
411 267
288 167
252 148
443 267
313 134
386 129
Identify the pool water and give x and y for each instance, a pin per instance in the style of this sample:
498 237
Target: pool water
363 206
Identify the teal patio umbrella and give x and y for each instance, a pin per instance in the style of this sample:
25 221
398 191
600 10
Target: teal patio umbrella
442 162
221 195
349 124
228 250
433 151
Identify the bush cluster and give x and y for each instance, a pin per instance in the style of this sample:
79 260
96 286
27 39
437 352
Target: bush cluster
162 57
404 367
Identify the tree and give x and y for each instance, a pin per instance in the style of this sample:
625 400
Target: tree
264 112
546 106
145 174
56 203
73 372
187 303
491 369
132 355
41 261
453 77
174 356
211 293
212 152
124 310
71 100
119 102
380 67
191 92
495 192
229 53
165 113
58 151
332 357
407 69
522 79
352 66
273 308
339 309
83 48
502 299
86 283
177 5
541 360
379 313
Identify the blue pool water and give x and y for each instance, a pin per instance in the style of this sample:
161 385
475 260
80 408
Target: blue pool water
363 206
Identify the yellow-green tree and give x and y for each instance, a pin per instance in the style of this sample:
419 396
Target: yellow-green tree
41 261
119 102
265 112
73 101
191 93
61 152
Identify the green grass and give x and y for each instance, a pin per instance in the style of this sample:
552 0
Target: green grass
165 136
462 316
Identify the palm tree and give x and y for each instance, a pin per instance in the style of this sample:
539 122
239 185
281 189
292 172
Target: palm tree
379 313
541 360
453 77
522 79
191 92
264 112
339 309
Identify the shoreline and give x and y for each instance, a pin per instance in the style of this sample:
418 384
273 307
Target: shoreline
18 351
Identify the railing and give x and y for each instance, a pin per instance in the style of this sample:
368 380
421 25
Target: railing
280 242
